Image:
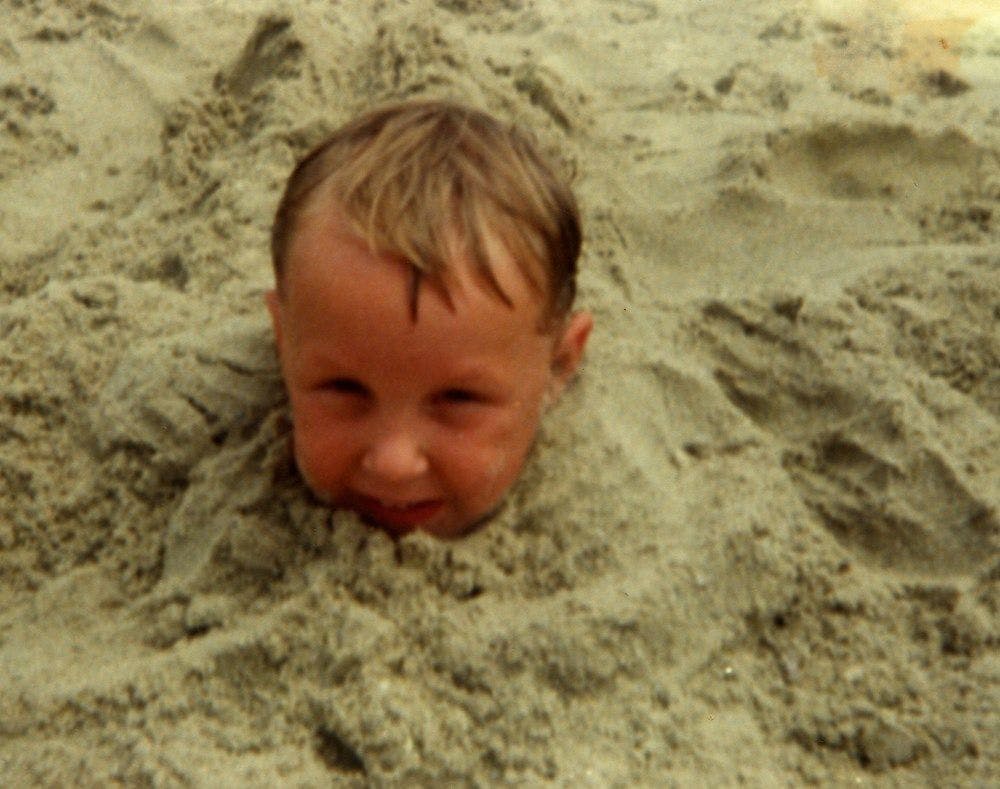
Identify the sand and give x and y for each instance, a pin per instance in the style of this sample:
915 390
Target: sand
758 543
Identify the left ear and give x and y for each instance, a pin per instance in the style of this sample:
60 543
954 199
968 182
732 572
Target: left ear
568 350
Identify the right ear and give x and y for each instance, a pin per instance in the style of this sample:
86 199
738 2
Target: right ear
273 302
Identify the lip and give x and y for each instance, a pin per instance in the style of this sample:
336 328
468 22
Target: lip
406 516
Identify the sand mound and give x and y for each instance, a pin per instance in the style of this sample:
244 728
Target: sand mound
758 541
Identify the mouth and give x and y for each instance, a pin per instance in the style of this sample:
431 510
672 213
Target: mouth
401 515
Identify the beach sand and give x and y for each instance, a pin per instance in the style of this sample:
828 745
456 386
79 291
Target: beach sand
758 543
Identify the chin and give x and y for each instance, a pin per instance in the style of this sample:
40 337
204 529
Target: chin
444 529
462 528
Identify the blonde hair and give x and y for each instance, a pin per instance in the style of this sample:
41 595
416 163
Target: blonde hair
413 178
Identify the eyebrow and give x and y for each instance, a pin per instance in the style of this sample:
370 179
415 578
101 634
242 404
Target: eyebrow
475 375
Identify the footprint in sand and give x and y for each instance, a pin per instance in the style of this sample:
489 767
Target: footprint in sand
945 183
869 441
871 160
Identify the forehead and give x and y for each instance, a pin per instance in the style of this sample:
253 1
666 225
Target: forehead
337 292
475 231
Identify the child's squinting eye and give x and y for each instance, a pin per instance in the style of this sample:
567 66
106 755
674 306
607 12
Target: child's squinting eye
460 396
347 386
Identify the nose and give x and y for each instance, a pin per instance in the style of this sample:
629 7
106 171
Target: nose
395 457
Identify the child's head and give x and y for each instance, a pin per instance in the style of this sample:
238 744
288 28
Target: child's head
425 257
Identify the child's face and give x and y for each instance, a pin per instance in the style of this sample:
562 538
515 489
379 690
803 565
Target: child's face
420 424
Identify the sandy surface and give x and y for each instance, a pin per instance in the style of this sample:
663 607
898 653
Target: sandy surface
759 541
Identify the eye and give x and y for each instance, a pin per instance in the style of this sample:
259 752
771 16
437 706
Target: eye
345 386
460 396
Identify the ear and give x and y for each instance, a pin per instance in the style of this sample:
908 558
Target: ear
273 302
568 350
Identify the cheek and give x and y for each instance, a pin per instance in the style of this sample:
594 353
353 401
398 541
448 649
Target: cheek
483 468
323 450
